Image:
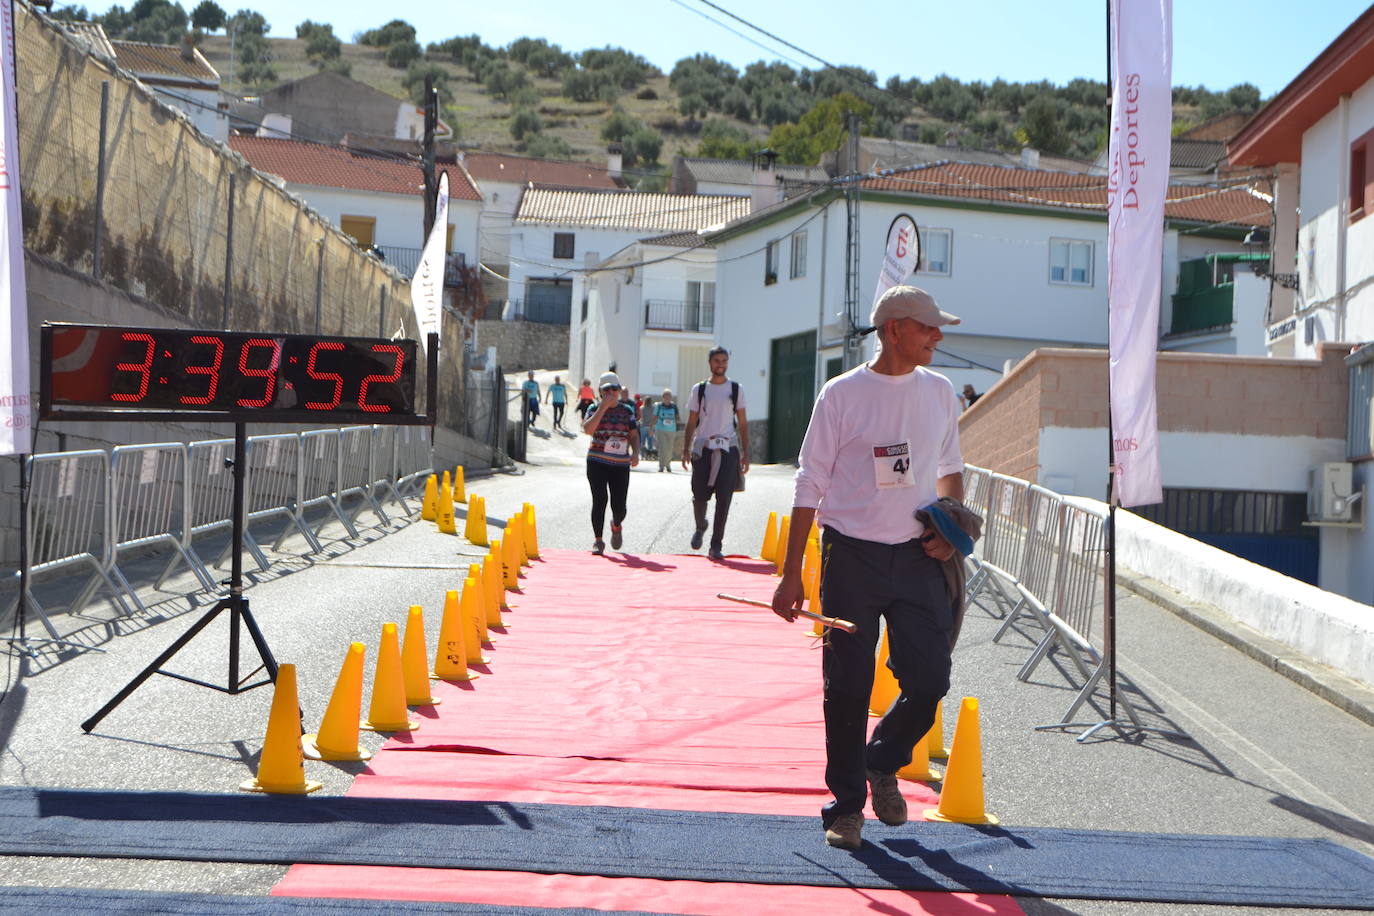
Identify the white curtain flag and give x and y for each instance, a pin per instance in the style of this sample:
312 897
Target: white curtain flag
900 257
1137 181
15 393
427 286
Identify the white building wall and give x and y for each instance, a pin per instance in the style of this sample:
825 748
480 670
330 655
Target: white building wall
201 106
400 218
531 256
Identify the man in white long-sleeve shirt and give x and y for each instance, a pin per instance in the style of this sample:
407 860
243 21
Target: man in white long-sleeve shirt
883 442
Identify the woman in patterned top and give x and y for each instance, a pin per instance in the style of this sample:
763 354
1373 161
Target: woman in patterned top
614 450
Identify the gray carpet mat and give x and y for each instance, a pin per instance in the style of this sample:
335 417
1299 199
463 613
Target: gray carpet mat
693 845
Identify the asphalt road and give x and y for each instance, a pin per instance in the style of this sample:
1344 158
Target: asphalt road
1255 754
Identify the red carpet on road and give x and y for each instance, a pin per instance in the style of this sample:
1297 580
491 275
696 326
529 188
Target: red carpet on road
624 681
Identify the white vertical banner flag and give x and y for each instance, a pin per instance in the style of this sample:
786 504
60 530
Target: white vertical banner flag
1137 181
427 286
15 393
901 255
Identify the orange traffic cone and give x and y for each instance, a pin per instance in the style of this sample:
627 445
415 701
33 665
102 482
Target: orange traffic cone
510 563
531 533
460 494
337 738
451 658
918 770
817 628
961 796
491 582
515 533
281 769
413 667
476 531
811 561
769 551
491 614
388 710
780 555
429 509
471 624
935 738
885 686
444 514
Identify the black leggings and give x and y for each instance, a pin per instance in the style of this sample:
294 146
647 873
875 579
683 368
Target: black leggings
557 413
607 480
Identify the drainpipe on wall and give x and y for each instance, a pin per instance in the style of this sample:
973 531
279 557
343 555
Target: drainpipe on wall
1342 213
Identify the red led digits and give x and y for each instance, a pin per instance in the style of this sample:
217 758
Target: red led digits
211 370
395 374
322 376
144 369
269 373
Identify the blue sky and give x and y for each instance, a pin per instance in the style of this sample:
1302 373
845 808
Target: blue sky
1217 43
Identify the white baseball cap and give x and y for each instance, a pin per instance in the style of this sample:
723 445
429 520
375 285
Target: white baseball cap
909 302
609 379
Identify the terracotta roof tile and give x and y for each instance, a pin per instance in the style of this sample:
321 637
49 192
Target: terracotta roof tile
524 169
163 60
315 164
1234 205
629 209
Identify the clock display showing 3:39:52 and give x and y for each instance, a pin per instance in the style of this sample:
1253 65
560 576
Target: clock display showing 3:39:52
252 376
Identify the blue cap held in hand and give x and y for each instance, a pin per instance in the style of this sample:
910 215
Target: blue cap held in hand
948 528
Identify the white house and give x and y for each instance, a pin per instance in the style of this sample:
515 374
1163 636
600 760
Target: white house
1317 134
377 200
180 76
502 179
654 314
1018 253
560 236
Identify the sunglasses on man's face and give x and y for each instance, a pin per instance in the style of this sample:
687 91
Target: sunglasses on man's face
611 388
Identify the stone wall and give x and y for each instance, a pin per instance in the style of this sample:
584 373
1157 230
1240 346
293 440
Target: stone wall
523 345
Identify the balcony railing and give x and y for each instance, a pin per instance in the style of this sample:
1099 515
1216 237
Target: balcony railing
406 260
677 315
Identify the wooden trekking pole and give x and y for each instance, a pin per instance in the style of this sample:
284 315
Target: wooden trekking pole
835 622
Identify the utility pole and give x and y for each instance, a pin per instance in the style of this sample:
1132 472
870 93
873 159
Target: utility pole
852 341
427 155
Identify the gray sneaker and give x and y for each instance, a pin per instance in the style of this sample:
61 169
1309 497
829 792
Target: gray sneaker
616 539
888 803
697 537
846 831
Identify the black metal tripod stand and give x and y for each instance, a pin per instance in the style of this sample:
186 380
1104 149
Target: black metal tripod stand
234 603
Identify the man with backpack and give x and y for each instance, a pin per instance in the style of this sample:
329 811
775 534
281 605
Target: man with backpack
717 445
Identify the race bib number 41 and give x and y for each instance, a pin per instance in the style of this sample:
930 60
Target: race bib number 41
892 466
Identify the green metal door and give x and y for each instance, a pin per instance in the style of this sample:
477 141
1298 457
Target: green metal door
791 392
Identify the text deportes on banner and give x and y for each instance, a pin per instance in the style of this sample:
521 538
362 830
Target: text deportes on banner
901 256
16 397
1137 182
427 286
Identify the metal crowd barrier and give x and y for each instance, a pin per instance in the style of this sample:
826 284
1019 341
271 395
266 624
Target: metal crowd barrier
149 506
69 524
86 508
1042 556
1004 536
1039 555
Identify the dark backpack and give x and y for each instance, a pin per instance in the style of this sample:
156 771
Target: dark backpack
699 391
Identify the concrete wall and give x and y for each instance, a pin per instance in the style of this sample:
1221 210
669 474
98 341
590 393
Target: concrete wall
1327 628
522 345
1225 422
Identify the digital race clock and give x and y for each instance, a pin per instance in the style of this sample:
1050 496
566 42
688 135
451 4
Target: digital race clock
241 376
